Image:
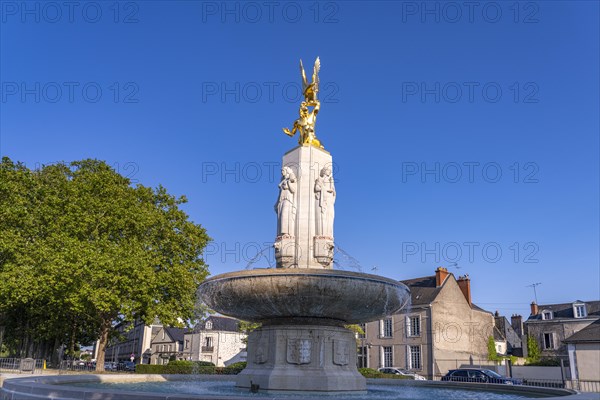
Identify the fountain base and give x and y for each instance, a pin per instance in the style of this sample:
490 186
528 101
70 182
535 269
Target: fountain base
316 358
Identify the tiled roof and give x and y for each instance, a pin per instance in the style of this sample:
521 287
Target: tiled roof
565 310
422 290
220 324
590 333
176 333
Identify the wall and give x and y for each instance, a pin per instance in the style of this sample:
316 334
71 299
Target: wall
588 361
459 332
226 345
532 372
561 328
399 341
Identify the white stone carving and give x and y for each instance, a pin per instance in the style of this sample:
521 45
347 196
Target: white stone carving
286 203
325 200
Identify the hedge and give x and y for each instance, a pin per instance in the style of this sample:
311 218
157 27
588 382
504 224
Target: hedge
188 368
373 373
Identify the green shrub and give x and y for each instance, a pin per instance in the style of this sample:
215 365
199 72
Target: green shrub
373 373
178 367
545 362
235 368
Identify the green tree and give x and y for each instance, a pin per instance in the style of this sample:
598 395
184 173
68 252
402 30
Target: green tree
491 347
533 350
82 250
246 327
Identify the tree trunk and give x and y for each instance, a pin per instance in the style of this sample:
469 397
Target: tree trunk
55 357
72 341
102 343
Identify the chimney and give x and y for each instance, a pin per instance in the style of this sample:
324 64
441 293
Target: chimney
440 276
534 308
516 321
464 283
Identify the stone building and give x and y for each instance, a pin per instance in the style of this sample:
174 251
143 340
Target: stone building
584 353
508 340
441 330
131 341
167 345
552 324
216 339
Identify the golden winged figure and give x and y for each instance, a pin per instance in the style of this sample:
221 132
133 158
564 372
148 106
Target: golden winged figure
305 125
310 90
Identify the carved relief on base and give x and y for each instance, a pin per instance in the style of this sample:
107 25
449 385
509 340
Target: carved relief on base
285 251
341 352
261 354
298 351
323 250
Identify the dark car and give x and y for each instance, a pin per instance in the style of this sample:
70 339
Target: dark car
479 376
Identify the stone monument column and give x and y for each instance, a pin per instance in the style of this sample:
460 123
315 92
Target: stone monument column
310 245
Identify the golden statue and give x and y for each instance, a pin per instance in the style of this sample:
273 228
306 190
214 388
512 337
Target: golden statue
306 123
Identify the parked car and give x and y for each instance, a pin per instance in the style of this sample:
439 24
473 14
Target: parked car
479 375
110 366
125 366
397 371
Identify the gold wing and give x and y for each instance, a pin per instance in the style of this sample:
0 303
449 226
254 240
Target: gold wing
304 81
315 78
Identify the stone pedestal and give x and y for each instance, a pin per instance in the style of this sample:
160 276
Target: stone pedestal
312 240
302 358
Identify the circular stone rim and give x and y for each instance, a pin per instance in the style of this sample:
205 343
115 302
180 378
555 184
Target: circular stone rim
386 284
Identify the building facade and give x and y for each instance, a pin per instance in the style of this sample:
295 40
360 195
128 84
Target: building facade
551 324
583 348
217 340
508 340
441 330
131 341
167 345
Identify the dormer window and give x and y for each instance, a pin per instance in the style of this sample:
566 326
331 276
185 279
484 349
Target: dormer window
546 314
579 310
208 325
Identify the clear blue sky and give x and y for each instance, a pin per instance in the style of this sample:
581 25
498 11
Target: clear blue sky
179 93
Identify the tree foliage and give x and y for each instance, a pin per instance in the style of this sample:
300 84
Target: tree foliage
81 250
492 353
533 350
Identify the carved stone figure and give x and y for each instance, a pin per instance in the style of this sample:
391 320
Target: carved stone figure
325 200
286 203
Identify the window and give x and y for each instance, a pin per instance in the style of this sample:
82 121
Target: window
209 341
414 326
362 357
388 360
187 344
579 311
461 373
387 328
208 325
546 314
364 329
548 341
414 357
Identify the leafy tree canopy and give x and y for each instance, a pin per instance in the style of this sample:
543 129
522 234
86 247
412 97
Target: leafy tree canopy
81 249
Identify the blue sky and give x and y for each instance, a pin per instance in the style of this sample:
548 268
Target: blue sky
459 135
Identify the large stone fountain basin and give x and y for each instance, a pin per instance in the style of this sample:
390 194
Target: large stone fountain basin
268 295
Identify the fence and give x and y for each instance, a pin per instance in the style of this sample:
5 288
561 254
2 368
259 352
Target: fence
67 366
20 365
